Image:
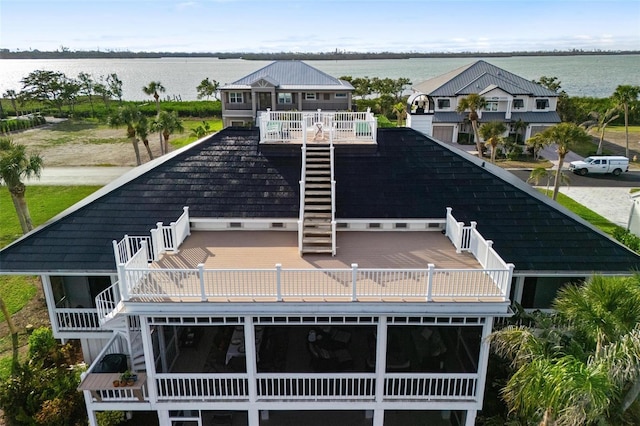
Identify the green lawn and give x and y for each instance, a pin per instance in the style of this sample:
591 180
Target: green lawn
589 215
179 140
44 203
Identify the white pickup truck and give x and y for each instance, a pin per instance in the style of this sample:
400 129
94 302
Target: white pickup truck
600 164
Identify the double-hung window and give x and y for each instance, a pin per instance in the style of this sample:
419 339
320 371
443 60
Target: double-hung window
236 98
542 103
444 103
285 98
491 106
518 103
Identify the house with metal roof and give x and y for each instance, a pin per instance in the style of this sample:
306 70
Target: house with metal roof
525 107
256 281
283 86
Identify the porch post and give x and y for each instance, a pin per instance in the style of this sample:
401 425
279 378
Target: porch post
378 417
470 419
483 361
147 347
251 360
354 279
51 304
381 364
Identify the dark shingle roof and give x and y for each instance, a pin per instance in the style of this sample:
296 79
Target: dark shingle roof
475 78
410 176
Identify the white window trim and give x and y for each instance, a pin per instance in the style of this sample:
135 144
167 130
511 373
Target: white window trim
288 100
236 97
310 96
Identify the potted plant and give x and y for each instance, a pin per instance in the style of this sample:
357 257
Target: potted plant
128 378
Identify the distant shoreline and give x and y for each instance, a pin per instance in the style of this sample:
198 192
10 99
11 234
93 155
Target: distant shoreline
36 54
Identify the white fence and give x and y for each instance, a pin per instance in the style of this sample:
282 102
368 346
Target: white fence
77 319
316 386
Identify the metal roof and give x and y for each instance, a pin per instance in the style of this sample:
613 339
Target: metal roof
478 76
291 75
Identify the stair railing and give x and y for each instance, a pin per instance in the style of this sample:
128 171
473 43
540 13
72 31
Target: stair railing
303 179
333 197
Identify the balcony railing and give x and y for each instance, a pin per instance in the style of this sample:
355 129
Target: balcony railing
138 280
299 126
77 319
317 387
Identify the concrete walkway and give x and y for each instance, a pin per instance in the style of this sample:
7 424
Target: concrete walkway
612 203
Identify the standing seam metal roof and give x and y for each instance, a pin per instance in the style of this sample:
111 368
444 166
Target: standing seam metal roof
292 73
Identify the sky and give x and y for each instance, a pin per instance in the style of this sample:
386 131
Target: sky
320 25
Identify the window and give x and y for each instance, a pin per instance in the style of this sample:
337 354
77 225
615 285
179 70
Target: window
444 103
518 103
235 98
310 96
491 106
340 95
285 98
542 103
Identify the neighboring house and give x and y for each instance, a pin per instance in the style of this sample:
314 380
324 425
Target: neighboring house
509 99
283 86
633 224
200 272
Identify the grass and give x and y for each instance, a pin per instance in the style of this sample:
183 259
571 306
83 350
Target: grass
44 203
589 215
190 124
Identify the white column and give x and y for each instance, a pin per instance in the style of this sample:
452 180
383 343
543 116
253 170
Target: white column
470 418
147 347
483 360
378 417
93 421
51 303
381 359
163 417
254 417
251 359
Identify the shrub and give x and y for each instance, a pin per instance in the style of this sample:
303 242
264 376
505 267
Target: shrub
627 238
383 122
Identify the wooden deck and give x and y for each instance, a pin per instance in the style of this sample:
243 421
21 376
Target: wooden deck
265 249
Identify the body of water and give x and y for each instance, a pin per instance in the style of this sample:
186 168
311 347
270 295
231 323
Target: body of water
593 75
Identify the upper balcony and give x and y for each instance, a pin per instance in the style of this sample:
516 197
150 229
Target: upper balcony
380 264
302 127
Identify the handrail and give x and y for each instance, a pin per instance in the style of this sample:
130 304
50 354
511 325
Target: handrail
303 183
333 194
345 284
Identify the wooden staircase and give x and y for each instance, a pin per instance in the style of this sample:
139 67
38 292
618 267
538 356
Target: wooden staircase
317 232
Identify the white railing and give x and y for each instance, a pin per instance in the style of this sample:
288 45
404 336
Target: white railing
430 386
203 387
129 245
345 284
315 387
116 345
287 126
107 301
169 237
303 184
333 197
77 319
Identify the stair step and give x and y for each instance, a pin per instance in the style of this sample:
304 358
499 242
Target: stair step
315 192
313 208
317 215
316 240
316 200
315 185
318 172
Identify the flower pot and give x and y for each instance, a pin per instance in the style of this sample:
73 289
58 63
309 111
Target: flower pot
116 383
130 381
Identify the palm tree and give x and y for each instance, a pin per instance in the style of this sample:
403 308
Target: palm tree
564 135
128 115
600 121
142 131
582 365
473 102
400 109
492 133
15 165
625 96
152 89
518 126
202 130
167 123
